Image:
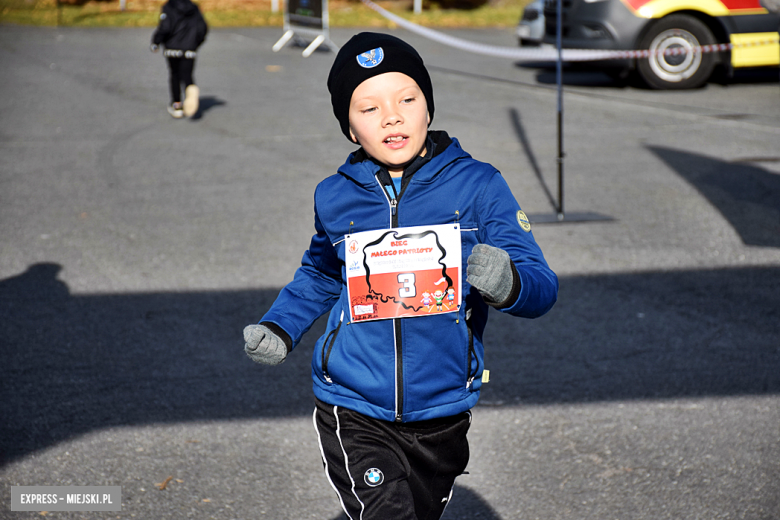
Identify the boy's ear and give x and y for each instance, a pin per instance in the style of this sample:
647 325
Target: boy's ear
354 139
429 119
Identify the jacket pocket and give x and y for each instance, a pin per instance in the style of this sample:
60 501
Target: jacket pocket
472 353
327 348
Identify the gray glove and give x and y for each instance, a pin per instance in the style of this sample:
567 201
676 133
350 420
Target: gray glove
263 346
490 272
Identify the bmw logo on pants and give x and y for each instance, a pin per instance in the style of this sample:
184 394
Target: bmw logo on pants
374 477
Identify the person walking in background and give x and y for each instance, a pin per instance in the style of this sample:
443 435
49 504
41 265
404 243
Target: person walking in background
181 31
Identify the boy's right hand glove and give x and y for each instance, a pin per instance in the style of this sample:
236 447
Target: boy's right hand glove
490 272
263 346
153 47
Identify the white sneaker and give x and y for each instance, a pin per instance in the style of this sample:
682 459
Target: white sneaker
175 111
191 100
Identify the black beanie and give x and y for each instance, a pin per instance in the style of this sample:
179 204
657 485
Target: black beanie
367 55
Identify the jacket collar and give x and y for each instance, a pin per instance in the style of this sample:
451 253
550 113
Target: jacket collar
362 169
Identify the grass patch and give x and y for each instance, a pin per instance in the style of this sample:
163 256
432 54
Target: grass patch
251 13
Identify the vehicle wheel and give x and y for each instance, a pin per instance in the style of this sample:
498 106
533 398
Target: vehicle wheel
677 71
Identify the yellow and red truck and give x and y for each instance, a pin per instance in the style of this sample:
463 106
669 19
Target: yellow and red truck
731 33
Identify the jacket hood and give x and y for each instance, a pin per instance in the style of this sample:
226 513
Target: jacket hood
185 7
362 170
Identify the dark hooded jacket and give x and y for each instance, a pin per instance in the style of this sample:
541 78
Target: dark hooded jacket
181 27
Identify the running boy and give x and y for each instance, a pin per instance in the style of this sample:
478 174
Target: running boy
181 30
393 391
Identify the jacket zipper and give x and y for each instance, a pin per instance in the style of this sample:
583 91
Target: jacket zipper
399 372
399 360
327 348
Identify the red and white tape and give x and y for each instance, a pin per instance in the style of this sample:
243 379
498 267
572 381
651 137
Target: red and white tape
548 53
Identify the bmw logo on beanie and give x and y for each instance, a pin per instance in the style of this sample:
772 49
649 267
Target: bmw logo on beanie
367 55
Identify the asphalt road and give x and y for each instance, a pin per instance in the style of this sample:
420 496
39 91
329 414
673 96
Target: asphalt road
134 248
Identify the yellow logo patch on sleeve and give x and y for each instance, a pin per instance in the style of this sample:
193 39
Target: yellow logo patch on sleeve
522 219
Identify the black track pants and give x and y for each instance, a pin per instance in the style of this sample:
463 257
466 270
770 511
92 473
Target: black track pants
180 73
391 471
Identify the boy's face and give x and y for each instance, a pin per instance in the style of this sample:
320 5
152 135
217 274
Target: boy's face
388 117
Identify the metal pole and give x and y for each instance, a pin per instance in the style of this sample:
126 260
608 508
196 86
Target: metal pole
559 79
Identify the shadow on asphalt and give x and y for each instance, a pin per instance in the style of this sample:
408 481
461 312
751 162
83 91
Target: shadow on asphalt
77 363
522 136
747 195
583 78
206 103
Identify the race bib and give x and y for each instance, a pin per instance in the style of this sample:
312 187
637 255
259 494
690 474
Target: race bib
404 272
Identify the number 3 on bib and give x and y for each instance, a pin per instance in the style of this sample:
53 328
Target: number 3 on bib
407 290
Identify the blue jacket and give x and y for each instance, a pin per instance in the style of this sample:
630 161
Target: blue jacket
419 368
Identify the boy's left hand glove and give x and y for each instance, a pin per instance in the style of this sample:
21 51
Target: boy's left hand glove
490 272
263 346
